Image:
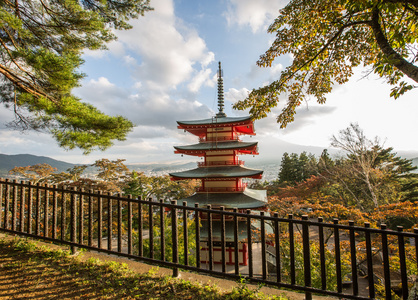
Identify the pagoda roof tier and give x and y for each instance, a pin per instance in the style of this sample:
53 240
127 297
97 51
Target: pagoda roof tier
245 200
201 148
218 172
215 120
242 125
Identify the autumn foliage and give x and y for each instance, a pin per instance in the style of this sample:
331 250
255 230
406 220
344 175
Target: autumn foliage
370 184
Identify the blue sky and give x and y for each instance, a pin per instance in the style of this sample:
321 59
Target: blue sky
164 69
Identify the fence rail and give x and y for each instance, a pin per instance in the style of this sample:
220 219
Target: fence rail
305 255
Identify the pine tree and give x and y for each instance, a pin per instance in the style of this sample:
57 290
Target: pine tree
41 43
295 169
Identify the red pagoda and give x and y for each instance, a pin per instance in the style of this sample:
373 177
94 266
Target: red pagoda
221 172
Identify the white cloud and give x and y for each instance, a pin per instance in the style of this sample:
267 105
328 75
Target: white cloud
137 85
13 142
169 50
276 69
146 108
114 47
200 78
307 116
257 14
210 57
103 94
234 95
129 60
102 82
271 73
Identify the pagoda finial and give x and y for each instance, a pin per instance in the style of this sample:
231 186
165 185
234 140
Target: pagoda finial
221 113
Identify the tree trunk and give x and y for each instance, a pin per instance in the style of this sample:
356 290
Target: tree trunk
395 58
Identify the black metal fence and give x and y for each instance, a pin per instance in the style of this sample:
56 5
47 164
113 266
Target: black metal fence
345 261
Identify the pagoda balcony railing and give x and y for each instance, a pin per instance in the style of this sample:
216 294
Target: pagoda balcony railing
220 163
218 139
221 189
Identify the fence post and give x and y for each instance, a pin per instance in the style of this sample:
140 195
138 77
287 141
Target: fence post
185 234
306 256
130 216
322 253
6 205
223 244
354 276
99 219
236 244
416 246
402 263
292 251
263 246
277 246
46 210
250 244
174 237
109 221
73 220
14 204
1 201
54 212
197 226
37 208
90 231
337 256
162 231
119 223
140 229
151 228
22 206
386 267
369 256
210 242
81 216
63 211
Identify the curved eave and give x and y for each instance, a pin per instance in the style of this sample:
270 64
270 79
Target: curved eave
215 121
202 148
202 152
218 172
243 125
247 200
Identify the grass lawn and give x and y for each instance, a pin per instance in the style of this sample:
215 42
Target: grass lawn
29 271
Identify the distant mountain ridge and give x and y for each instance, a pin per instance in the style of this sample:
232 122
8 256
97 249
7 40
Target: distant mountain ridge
8 162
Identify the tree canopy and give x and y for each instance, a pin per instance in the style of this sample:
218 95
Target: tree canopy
295 169
41 43
326 40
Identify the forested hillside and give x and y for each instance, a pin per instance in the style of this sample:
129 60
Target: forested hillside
8 162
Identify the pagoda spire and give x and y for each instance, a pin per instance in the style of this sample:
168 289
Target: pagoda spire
221 113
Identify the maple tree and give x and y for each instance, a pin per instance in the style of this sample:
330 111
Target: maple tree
326 40
113 176
71 175
160 187
36 174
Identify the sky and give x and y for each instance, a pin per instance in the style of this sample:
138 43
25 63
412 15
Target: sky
164 69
